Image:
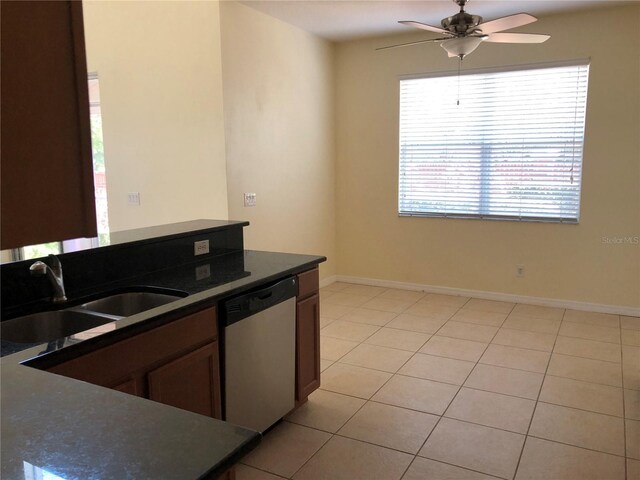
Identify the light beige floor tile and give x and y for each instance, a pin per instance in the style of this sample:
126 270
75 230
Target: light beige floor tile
592 318
630 323
579 347
505 380
492 410
454 348
532 324
326 411
331 310
346 459
584 395
286 448
545 460
595 431
519 338
518 358
244 472
324 364
389 426
406 295
400 339
445 300
378 358
479 317
585 369
468 331
425 469
632 404
538 311
432 310
489 305
326 321
415 323
388 304
356 332
590 332
364 290
439 369
347 300
368 316
335 348
631 337
632 428
337 286
630 369
416 394
633 469
324 292
355 381
479 448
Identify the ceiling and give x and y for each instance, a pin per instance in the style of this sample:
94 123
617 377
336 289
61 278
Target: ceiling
340 20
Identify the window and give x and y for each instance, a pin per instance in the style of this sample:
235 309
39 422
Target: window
496 144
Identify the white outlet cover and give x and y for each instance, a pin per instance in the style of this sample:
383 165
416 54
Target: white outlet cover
250 199
133 198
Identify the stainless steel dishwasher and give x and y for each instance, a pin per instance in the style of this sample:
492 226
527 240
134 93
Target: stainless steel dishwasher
259 355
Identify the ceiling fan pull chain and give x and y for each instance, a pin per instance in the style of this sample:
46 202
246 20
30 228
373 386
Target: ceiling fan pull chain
459 64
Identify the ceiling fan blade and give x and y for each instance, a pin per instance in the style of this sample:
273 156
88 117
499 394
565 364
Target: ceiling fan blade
413 43
517 38
424 26
506 23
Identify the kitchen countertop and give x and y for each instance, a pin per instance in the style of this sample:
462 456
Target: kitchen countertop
77 430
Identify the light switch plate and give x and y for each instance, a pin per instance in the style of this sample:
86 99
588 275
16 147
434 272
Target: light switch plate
249 199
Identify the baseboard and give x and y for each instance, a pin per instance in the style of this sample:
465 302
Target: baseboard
502 297
328 281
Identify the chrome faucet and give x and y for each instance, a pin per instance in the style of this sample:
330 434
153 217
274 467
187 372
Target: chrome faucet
53 271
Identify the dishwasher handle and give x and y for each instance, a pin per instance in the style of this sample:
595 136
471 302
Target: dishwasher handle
243 306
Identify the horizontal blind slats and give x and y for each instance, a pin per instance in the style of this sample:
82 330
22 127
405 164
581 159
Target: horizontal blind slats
511 149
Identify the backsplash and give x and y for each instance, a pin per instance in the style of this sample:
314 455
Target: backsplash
133 254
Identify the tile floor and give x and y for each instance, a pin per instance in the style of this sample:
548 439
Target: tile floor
419 386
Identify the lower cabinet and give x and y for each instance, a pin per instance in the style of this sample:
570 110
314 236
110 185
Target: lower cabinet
176 364
307 335
190 382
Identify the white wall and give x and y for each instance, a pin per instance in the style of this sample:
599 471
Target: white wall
279 124
161 92
568 262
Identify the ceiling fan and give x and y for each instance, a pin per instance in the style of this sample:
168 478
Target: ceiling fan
464 32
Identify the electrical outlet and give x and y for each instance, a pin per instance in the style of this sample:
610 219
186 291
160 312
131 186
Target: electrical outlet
133 198
201 247
203 271
249 199
520 270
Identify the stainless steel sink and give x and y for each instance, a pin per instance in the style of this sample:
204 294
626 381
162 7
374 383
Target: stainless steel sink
48 326
127 304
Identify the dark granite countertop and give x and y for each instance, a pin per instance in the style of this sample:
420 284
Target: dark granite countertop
81 431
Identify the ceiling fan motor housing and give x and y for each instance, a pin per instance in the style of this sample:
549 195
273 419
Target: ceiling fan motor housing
461 23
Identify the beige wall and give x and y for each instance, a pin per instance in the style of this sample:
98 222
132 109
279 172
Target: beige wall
161 93
567 262
278 103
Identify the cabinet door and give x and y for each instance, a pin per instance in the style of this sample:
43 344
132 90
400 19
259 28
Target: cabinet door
47 175
130 386
190 382
307 347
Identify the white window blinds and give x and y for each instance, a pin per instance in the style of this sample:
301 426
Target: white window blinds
512 149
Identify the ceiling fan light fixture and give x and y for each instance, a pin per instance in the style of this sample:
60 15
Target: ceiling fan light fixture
461 46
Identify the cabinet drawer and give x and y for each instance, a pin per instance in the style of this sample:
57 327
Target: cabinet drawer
109 365
308 283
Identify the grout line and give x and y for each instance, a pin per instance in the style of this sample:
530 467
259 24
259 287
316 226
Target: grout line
535 407
624 416
579 446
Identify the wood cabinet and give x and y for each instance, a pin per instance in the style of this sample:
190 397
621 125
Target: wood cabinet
46 186
307 335
176 364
